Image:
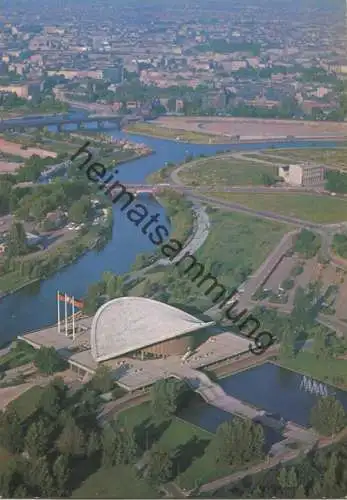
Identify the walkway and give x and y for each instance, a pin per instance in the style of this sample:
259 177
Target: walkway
194 242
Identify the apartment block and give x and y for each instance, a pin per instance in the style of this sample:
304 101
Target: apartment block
302 175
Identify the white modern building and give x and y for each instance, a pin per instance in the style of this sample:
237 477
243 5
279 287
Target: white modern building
305 174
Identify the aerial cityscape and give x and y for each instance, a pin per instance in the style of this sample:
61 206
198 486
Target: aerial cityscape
173 249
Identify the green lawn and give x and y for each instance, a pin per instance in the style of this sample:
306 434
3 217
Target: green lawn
16 358
307 363
235 247
120 481
322 209
226 172
188 442
27 403
335 158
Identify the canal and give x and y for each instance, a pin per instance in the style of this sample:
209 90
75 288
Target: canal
272 388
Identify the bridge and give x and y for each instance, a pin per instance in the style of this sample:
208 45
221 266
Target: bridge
21 124
143 188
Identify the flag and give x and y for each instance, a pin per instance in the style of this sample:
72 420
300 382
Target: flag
79 304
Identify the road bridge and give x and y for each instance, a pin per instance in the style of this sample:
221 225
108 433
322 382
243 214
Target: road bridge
21 124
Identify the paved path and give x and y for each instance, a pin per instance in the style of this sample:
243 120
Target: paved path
200 234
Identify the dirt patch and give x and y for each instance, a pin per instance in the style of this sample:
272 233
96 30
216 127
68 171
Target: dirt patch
253 129
7 167
16 149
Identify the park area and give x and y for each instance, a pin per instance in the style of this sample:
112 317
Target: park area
235 247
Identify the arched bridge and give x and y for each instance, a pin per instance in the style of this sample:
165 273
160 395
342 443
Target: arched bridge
20 124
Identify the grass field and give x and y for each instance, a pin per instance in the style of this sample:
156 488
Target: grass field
334 158
307 363
321 209
16 358
226 172
187 442
169 133
120 481
235 247
27 403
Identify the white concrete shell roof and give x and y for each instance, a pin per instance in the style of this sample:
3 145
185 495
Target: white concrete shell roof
130 323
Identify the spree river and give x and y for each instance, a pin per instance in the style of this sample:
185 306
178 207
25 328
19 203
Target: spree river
35 306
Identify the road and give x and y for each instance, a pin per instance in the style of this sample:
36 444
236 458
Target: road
236 207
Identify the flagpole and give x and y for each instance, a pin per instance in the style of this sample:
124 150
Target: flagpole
73 318
58 305
65 314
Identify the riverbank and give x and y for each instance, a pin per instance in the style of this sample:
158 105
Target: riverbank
249 130
174 134
55 260
194 137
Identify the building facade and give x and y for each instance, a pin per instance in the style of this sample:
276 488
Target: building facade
302 175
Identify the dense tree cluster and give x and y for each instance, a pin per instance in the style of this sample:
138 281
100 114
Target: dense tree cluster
167 397
48 361
110 287
340 245
320 474
336 181
328 416
55 448
307 243
237 442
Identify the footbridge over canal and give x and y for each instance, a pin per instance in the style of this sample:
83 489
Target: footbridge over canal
214 395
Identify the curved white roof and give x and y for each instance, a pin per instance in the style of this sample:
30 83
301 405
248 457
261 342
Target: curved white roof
130 323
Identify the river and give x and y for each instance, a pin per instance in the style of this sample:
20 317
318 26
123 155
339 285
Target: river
35 306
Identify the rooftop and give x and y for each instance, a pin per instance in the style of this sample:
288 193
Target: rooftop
130 323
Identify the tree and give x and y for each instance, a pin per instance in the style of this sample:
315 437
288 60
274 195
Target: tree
80 211
71 440
237 442
287 346
118 445
328 416
42 477
11 431
319 344
53 397
8 479
300 492
160 465
93 445
48 361
165 395
17 240
102 379
113 285
36 439
61 474
307 243
268 179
